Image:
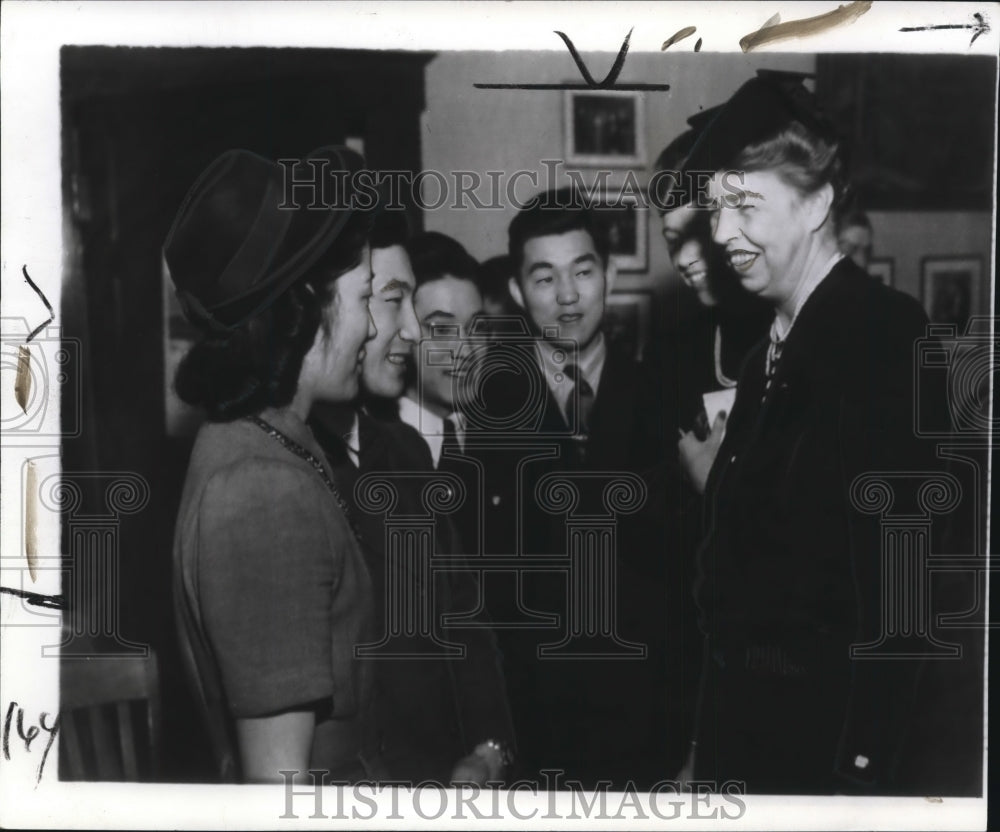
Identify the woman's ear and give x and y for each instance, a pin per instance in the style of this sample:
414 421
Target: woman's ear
819 205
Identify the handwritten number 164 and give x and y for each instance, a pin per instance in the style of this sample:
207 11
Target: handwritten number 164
28 736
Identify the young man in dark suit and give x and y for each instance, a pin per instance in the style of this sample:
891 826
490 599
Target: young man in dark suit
447 302
445 715
589 692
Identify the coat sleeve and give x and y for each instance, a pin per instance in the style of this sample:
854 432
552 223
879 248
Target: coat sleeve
478 678
268 573
876 435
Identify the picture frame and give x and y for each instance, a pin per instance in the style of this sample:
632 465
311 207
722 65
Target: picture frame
625 222
605 128
883 269
627 320
950 288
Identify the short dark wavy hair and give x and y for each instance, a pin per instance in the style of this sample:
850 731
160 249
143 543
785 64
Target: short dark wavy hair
554 212
435 255
258 364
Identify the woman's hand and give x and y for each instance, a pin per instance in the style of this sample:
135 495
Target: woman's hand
697 456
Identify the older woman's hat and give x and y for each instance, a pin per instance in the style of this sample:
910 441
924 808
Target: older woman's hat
757 111
243 235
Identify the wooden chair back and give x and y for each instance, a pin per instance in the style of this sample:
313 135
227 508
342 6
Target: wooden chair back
109 723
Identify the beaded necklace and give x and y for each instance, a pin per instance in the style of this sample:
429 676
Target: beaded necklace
290 444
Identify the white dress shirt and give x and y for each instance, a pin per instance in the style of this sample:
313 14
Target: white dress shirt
430 426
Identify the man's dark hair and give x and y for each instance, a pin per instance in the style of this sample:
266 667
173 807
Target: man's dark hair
434 255
391 228
494 281
552 213
670 187
852 219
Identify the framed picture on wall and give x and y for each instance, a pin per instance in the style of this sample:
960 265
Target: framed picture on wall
950 288
626 225
627 321
882 268
605 128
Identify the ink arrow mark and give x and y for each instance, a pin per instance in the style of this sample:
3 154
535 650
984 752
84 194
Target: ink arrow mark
980 27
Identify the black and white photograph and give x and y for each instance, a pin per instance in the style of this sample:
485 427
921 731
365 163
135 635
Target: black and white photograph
422 415
605 128
951 289
627 320
624 221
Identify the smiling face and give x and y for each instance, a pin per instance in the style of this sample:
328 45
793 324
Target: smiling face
331 368
765 226
445 309
688 242
391 305
561 285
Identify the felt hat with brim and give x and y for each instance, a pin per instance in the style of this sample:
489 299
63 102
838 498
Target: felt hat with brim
244 235
759 110
670 186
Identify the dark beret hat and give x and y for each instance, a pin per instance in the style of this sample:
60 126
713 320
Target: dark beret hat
235 245
670 187
757 111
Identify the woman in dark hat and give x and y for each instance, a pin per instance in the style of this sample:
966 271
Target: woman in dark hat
271 588
791 567
718 321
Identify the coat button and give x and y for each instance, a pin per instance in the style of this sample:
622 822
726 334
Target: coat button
495 499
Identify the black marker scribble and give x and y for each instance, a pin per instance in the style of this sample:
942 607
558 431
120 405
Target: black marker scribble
29 736
26 738
617 87
53 729
45 300
6 730
980 27
613 73
52 602
589 83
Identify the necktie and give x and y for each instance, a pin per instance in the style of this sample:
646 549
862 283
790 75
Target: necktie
450 445
580 402
453 461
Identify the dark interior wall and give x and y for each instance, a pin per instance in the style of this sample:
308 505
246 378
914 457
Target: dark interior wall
138 126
